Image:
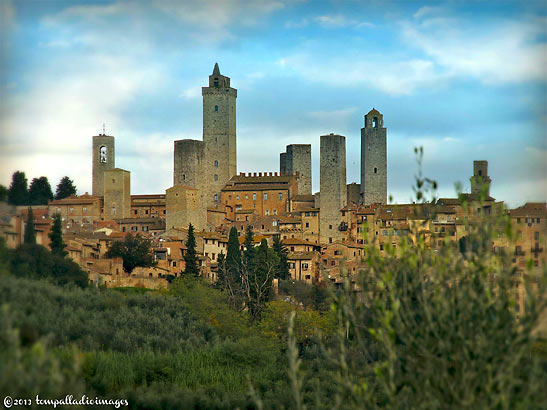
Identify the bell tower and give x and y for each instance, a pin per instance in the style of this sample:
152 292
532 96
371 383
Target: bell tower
374 159
102 160
219 133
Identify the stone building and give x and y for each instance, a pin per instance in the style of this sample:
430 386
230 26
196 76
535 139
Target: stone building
102 160
262 194
480 179
183 207
332 186
80 210
148 206
374 159
209 164
117 194
354 193
297 160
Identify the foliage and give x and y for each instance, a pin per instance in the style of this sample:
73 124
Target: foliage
65 188
30 232
28 367
56 243
249 249
35 261
3 193
134 250
316 296
190 258
229 268
282 271
40 191
18 189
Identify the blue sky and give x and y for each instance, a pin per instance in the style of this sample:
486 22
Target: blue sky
464 79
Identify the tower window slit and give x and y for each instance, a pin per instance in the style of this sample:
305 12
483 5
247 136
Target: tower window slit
216 108
375 170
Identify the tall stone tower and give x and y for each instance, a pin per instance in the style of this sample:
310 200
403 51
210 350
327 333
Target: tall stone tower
102 160
219 134
480 178
333 187
297 159
374 159
117 194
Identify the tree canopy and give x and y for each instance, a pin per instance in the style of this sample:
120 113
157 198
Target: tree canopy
40 191
65 188
18 189
3 193
282 271
30 232
134 250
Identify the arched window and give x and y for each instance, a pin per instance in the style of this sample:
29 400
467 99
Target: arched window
216 82
184 177
216 163
216 177
375 122
102 153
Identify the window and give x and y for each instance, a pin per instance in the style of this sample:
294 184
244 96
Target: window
330 240
307 224
215 82
337 252
381 247
332 263
267 212
537 220
146 211
280 196
343 213
215 198
304 266
135 212
254 197
215 177
246 196
184 177
84 210
71 210
102 154
216 108
113 210
536 236
375 122
275 212
375 170
265 196
174 264
216 163
292 248
330 226
237 197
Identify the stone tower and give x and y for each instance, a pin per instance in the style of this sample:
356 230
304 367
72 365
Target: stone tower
219 134
374 159
102 160
117 194
297 159
480 178
333 186
189 163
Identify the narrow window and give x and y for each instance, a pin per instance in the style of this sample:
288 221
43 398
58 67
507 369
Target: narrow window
375 170
216 108
102 154
265 196
480 173
215 198
280 196
216 177
375 122
254 197
216 163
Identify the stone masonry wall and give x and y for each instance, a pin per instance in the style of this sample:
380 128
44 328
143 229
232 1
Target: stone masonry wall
98 164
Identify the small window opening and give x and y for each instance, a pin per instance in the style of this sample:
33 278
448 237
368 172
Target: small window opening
480 173
375 122
216 108
216 82
216 163
375 170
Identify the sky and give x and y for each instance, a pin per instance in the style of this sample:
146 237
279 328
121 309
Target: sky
466 80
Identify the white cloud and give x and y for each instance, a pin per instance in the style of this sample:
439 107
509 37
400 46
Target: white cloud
340 21
506 51
191 93
297 24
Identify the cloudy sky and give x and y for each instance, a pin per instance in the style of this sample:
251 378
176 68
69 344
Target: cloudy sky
464 79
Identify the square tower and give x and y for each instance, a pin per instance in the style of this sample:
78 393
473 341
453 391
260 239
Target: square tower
102 159
333 187
182 205
297 159
117 194
480 180
374 159
219 134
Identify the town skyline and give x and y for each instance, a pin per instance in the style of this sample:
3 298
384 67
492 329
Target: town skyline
472 108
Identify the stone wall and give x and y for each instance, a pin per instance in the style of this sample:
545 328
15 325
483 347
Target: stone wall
298 160
117 194
183 206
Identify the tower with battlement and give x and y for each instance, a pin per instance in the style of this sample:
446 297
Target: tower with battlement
102 160
480 180
332 187
297 159
374 159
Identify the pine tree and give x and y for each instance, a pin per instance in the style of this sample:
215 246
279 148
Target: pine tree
190 258
233 253
282 271
56 243
18 189
230 273
40 191
65 188
30 233
249 252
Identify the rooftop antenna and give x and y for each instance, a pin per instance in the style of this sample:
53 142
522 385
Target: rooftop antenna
104 129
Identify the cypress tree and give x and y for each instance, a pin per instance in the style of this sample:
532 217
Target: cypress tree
40 191
56 243
282 271
233 254
3 193
30 233
18 189
249 252
65 188
190 257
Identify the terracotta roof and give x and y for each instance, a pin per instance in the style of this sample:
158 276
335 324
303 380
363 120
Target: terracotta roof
289 220
529 209
301 255
296 241
148 196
